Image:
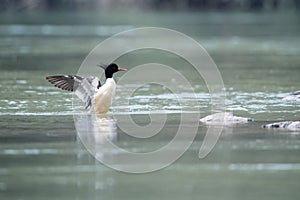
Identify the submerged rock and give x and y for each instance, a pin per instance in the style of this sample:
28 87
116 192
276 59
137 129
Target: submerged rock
294 97
225 118
287 125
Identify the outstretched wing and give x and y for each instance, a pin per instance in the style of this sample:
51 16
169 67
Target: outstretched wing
84 88
65 82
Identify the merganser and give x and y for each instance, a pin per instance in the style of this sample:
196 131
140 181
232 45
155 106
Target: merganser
224 118
285 125
294 97
89 90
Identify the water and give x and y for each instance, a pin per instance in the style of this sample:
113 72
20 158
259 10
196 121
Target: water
41 156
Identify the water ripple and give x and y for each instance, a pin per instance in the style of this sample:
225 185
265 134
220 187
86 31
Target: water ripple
45 100
61 30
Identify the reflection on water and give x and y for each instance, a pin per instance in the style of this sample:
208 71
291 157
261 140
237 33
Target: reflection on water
96 129
96 132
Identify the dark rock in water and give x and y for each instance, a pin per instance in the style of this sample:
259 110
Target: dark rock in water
286 125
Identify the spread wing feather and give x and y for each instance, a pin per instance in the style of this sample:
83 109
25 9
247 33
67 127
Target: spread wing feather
84 88
64 82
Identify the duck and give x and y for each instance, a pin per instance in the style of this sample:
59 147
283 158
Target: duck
293 97
96 97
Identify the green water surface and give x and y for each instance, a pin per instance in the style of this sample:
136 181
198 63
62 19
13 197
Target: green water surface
42 157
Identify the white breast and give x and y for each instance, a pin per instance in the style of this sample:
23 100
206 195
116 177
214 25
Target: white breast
104 96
